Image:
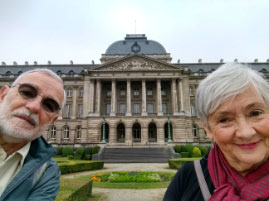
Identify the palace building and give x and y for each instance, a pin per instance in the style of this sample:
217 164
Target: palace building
135 96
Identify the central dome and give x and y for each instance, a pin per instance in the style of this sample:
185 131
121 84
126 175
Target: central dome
135 44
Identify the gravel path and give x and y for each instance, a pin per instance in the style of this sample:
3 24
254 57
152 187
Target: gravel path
108 194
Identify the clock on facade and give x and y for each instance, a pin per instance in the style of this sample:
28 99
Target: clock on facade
135 48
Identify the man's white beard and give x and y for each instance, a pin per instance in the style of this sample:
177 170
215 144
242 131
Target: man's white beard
15 129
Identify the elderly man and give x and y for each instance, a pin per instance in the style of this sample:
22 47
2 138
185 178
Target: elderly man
27 170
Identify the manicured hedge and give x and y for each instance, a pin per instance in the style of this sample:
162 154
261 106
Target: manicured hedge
78 166
176 163
82 194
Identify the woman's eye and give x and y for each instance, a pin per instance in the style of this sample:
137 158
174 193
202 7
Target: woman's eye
255 113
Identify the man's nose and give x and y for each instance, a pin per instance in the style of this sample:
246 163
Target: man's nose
244 129
34 105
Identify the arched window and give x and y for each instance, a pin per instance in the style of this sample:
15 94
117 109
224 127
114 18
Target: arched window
194 130
152 132
166 131
66 132
78 132
121 132
136 132
106 127
52 132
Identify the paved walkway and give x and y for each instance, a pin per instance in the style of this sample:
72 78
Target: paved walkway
109 194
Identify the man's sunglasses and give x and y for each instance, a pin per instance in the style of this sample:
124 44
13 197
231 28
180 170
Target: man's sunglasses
28 91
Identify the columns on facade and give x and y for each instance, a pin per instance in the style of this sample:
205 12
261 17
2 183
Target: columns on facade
174 98
180 89
91 97
98 98
86 97
144 98
113 98
128 98
159 98
74 100
186 95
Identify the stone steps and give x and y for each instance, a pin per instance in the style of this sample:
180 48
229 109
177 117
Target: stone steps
136 155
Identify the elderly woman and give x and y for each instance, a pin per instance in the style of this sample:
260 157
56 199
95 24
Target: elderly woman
233 105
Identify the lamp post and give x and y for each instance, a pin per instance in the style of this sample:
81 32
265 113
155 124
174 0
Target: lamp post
169 134
104 130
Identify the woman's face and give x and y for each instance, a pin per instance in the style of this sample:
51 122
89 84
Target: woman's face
240 127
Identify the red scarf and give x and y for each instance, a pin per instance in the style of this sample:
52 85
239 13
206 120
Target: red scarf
231 186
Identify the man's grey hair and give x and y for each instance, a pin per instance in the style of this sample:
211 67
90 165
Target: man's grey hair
225 83
46 72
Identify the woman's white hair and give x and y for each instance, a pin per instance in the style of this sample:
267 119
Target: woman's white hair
46 72
226 82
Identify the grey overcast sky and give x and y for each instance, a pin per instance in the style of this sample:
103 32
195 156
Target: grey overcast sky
82 30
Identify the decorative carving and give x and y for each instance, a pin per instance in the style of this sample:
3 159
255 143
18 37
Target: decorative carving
136 64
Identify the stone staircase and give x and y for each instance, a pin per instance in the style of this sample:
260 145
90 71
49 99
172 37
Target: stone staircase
136 155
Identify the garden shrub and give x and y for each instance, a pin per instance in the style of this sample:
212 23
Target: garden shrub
183 148
88 150
70 157
80 153
185 154
78 166
81 194
95 150
67 151
88 157
196 152
176 163
204 150
177 148
59 150
189 148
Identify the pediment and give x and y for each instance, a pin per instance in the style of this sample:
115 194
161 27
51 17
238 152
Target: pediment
136 63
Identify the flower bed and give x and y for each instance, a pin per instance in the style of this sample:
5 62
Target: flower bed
115 177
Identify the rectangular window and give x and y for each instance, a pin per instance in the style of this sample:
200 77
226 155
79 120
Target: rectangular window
69 92
67 110
122 92
136 91
80 110
163 91
81 91
150 108
108 93
149 91
136 108
108 109
122 108
164 108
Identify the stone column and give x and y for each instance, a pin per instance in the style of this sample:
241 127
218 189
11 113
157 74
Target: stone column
160 135
159 98
74 104
128 135
128 98
186 95
144 134
98 98
86 97
91 98
144 99
174 98
182 109
112 135
113 98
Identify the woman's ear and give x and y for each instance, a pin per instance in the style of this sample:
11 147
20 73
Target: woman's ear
208 131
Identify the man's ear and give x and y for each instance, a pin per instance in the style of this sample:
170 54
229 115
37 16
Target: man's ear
208 131
54 119
3 92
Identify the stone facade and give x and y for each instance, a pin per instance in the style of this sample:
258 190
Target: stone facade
129 99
